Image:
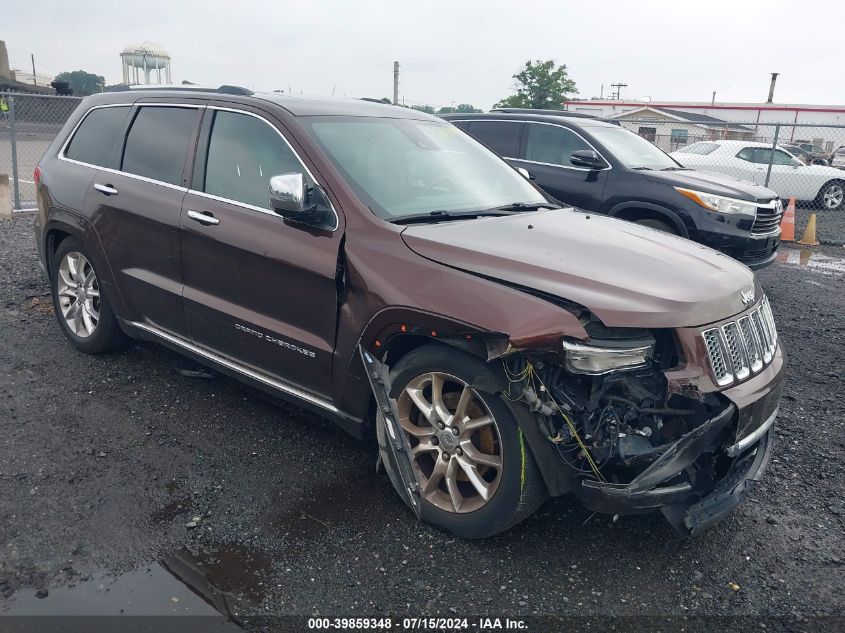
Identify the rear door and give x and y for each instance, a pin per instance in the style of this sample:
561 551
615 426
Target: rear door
259 290
546 152
137 208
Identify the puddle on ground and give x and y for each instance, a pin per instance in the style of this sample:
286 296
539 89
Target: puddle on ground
226 580
813 260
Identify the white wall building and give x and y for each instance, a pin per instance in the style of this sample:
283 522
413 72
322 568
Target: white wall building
760 116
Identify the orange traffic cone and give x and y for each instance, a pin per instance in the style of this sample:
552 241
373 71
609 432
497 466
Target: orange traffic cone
787 224
809 238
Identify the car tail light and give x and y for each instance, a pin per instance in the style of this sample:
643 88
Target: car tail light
36 176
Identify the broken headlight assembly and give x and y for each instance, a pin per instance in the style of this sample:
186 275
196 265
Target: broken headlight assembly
602 357
722 204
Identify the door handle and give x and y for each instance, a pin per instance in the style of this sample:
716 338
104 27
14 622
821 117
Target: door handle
203 217
105 189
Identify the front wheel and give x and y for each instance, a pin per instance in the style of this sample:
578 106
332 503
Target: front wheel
660 225
476 475
832 195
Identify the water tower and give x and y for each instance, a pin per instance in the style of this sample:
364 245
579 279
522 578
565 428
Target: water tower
139 62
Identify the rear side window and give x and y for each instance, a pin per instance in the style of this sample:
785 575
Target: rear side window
552 144
500 136
95 140
158 143
243 154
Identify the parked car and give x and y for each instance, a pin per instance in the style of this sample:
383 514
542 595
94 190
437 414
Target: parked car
602 167
804 156
823 187
376 265
838 159
816 151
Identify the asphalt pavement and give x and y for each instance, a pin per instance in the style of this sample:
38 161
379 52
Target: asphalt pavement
128 487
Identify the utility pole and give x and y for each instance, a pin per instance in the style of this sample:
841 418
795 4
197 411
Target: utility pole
772 87
34 80
395 83
713 100
617 90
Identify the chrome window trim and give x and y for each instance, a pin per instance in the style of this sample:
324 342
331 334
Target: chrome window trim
153 181
293 151
237 367
536 162
62 156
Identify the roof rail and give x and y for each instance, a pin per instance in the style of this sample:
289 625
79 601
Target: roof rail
225 89
577 115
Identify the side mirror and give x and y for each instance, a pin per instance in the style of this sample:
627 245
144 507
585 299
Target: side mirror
287 194
587 158
294 199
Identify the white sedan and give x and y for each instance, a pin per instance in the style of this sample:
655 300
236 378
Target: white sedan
822 186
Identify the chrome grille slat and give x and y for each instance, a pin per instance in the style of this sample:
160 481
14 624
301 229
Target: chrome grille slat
741 348
736 350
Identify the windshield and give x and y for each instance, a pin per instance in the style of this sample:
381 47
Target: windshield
403 167
632 150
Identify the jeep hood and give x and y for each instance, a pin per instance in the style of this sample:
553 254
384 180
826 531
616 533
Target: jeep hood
625 274
719 184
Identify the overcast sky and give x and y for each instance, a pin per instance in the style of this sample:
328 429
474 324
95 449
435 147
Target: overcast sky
461 51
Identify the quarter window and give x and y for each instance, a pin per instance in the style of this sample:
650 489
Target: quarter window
95 140
552 144
243 154
158 143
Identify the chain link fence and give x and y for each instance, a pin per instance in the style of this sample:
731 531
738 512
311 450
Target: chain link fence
801 161
28 124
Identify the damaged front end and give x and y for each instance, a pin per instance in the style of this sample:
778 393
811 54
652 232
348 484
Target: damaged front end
632 439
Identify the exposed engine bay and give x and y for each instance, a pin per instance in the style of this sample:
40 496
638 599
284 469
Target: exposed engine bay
631 445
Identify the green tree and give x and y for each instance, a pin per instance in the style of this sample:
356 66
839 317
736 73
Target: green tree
540 84
83 83
462 108
423 108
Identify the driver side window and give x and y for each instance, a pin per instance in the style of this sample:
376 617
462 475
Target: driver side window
552 144
244 152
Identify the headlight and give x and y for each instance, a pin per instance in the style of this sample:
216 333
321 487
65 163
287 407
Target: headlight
600 359
721 204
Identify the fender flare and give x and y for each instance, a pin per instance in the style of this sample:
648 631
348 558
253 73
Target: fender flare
76 225
673 218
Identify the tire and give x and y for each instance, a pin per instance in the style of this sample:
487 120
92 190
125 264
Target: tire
832 196
517 487
660 225
92 327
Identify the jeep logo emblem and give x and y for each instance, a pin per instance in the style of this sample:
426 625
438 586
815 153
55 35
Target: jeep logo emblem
747 296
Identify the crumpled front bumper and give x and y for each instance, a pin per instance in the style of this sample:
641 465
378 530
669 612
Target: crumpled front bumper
690 511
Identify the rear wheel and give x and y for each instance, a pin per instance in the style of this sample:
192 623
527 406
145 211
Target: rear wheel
476 475
660 225
81 306
832 195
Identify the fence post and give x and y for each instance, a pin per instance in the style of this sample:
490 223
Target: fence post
16 185
772 156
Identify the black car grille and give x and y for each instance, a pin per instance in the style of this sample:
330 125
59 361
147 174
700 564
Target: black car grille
768 218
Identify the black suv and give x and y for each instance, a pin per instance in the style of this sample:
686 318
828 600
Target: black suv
600 166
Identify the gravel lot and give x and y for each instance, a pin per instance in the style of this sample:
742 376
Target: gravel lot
105 460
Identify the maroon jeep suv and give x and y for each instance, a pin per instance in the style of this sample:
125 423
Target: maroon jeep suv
376 265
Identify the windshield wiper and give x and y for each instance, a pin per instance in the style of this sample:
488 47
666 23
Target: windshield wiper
674 169
643 168
441 215
527 206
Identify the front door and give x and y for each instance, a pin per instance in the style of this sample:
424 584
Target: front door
546 155
259 290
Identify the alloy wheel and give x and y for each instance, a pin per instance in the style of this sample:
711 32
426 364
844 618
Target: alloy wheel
455 442
79 294
833 196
